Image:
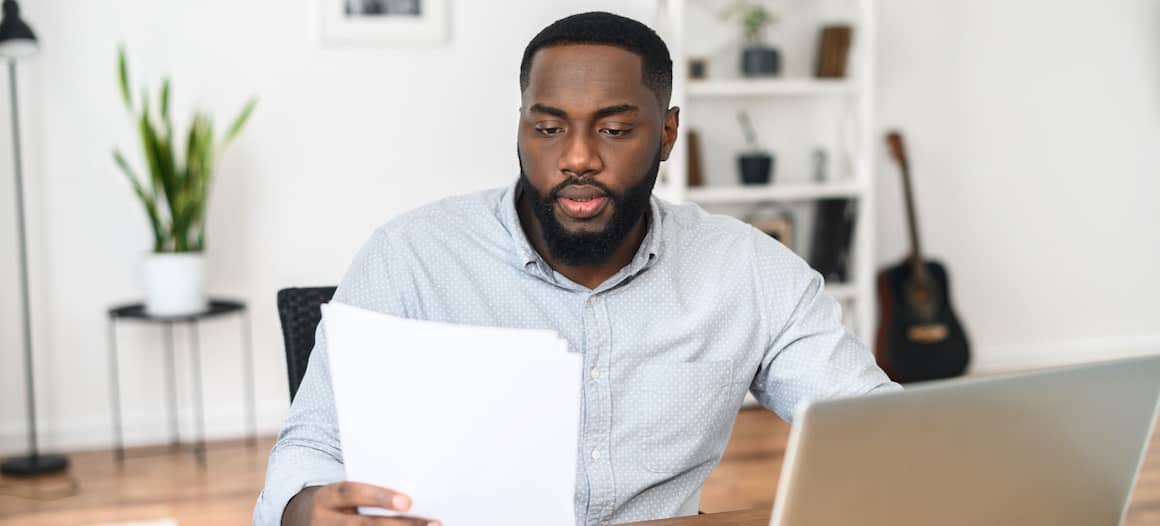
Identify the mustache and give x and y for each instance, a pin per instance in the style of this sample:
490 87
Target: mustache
554 193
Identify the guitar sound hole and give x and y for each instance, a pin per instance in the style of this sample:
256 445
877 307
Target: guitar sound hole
923 300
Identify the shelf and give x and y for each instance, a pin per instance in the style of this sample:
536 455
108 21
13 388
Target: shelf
773 192
771 87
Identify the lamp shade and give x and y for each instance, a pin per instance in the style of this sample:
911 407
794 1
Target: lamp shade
16 39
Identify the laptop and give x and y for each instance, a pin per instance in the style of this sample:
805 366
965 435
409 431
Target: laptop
1056 447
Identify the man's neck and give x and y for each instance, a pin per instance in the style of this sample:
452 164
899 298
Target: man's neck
590 276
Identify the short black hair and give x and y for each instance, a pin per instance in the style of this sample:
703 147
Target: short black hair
598 27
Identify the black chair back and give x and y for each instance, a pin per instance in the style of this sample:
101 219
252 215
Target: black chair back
299 308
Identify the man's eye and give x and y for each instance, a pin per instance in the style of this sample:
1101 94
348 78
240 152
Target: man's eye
549 131
613 132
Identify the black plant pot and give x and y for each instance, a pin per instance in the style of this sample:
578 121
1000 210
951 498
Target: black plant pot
759 60
756 168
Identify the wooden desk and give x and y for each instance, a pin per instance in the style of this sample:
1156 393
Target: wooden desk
758 517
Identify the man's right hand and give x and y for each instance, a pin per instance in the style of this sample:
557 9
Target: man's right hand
337 504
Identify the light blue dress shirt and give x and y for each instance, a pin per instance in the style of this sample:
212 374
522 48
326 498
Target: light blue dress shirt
708 309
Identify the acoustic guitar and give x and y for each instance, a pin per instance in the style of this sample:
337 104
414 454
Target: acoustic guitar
919 335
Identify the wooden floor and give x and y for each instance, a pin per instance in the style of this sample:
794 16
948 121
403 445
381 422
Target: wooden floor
165 485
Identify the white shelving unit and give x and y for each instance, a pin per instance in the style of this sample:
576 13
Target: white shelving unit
841 104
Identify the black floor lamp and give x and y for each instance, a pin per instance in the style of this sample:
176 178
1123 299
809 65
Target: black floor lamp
18 41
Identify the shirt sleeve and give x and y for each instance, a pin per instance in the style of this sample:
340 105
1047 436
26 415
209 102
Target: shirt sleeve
308 451
810 355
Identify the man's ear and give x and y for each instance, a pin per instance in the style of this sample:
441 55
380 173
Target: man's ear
669 134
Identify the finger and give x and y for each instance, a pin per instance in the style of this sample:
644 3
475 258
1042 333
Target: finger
345 495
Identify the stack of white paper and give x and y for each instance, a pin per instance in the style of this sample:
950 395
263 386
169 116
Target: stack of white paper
477 424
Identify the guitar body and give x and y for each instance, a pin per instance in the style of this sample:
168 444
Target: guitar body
919 335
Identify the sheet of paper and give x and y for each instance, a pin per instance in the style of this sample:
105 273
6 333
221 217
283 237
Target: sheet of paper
477 424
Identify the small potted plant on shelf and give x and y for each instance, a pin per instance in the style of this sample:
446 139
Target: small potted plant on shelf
758 59
173 194
756 164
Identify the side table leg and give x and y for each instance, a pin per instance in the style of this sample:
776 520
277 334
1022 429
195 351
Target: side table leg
248 380
115 393
167 335
199 408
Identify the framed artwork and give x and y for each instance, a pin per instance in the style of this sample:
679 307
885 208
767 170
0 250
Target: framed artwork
383 22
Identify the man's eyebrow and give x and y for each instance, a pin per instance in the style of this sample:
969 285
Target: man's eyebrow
613 110
600 113
541 108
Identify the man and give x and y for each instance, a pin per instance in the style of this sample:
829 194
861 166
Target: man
677 313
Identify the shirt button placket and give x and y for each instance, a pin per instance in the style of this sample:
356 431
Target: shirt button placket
592 399
603 494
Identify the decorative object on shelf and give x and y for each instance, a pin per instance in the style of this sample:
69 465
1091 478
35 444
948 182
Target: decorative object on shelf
775 221
919 336
833 51
832 238
383 22
698 68
17 41
820 161
696 165
756 165
174 196
758 59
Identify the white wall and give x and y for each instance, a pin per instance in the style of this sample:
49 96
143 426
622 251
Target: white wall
342 140
1034 128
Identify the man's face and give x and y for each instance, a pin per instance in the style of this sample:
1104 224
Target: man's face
591 138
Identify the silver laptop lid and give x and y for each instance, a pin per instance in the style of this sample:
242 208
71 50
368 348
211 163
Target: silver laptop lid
1058 447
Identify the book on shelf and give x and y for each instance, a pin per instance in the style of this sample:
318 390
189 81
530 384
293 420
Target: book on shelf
833 51
832 238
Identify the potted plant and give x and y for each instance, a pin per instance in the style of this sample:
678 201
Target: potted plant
757 58
756 164
173 195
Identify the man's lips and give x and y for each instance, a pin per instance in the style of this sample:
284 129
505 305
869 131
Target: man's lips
580 209
581 201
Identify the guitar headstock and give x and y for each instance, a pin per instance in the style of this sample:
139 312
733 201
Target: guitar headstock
897 148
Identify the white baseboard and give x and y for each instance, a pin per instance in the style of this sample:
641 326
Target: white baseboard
140 429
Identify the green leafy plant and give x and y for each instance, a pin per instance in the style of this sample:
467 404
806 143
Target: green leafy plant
754 17
174 194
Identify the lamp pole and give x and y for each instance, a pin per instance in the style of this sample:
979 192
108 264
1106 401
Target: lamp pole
17 41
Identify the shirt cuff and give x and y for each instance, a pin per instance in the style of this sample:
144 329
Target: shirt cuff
291 469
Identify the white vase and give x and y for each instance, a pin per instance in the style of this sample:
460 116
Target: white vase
175 284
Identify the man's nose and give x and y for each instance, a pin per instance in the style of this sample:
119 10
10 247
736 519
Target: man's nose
580 157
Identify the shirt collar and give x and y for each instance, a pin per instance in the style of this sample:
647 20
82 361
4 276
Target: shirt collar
526 257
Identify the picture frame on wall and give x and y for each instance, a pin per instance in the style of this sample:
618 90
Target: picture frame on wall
383 22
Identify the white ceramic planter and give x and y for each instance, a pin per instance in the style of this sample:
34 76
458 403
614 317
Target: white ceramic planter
175 284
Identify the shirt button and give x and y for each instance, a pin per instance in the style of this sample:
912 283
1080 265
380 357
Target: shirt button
595 373
595 454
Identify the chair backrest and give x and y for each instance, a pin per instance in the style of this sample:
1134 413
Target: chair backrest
299 308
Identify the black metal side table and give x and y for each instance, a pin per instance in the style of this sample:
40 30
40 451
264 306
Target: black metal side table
217 307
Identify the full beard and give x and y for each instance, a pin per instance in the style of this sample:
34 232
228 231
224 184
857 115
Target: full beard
589 248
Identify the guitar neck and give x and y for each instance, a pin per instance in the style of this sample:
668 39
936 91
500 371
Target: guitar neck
899 151
912 220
